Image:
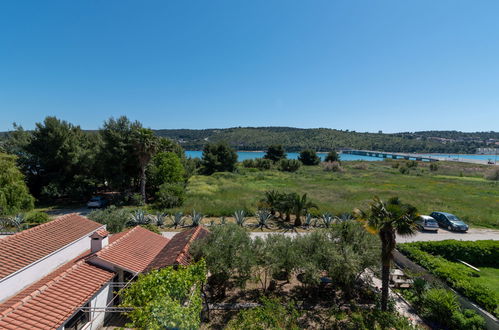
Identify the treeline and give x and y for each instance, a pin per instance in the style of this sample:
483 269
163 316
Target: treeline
61 161
324 139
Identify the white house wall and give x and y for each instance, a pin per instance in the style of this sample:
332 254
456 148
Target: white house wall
36 271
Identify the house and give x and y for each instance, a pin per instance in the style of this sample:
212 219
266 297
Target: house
63 274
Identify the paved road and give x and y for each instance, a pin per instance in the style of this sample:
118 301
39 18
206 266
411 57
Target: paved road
472 235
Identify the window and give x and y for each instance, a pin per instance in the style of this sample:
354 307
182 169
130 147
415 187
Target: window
79 320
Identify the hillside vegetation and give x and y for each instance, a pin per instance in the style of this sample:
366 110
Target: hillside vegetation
324 139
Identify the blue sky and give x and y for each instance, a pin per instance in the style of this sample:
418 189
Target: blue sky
360 65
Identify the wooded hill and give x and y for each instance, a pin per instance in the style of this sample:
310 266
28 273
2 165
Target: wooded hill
324 139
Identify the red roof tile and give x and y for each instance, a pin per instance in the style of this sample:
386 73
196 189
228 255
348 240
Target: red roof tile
176 252
48 303
22 249
132 250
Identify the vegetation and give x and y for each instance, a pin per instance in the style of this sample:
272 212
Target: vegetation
289 165
166 298
469 197
14 195
332 156
218 158
275 153
323 139
462 278
309 157
388 219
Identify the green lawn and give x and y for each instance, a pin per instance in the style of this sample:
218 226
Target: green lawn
490 278
470 197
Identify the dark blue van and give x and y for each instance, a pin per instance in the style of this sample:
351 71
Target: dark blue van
449 221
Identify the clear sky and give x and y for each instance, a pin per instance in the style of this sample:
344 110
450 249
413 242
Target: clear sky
399 65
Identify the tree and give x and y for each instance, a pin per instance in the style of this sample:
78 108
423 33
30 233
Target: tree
14 194
388 220
169 298
145 145
118 160
301 205
309 157
332 156
219 157
228 255
275 153
165 167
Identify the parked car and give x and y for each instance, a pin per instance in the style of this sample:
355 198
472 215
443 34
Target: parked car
97 202
425 222
449 221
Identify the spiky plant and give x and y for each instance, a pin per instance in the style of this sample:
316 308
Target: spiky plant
196 218
239 216
139 217
18 221
4 224
327 219
223 220
309 220
178 219
263 217
159 219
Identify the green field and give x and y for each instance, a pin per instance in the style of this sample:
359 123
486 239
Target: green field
467 195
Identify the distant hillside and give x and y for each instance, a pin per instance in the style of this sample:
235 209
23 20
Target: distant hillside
324 139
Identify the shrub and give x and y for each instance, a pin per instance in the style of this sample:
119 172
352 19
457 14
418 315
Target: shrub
136 200
433 167
331 167
115 219
275 153
151 227
289 165
218 157
36 217
412 164
170 195
273 314
458 276
332 156
404 170
249 163
259 163
493 174
309 157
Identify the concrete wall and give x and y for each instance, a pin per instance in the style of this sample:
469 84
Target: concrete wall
102 298
30 274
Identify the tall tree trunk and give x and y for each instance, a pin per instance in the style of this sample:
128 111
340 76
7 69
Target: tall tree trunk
387 244
385 282
298 220
143 182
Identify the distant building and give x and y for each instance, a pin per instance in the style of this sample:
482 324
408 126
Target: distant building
63 274
487 151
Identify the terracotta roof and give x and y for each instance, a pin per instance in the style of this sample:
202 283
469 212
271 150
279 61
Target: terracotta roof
102 233
22 249
132 250
48 303
176 252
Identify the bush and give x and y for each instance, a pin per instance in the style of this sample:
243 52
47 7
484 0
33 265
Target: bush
36 217
273 314
170 195
412 164
477 253
458 276
332 156
259 163
433 167
289 165
493 175
136 200
249 163
151 227
218 157
309 157
332 167
404 170
115 219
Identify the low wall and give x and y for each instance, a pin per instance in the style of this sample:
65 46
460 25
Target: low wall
405 263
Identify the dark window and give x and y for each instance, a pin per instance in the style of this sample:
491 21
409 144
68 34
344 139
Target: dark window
79 320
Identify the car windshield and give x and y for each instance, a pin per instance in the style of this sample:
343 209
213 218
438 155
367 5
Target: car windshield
453 218
431 222
95 199
457 222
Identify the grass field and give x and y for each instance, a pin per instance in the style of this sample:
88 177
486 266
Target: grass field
456 188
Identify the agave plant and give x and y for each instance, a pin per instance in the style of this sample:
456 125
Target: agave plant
327 219
178 219
139 217
263 217
309 220
18 221
159 219
240 219
223 220
344 217
196 218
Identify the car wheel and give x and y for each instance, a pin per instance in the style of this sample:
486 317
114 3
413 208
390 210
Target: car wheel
449 227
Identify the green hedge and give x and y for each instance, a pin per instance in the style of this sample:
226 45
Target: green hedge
463 279
478 253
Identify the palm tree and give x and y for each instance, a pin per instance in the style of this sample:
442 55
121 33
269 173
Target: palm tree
388 220
271 200
145 145
300 206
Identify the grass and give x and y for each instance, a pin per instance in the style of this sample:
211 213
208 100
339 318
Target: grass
453 188
490 278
